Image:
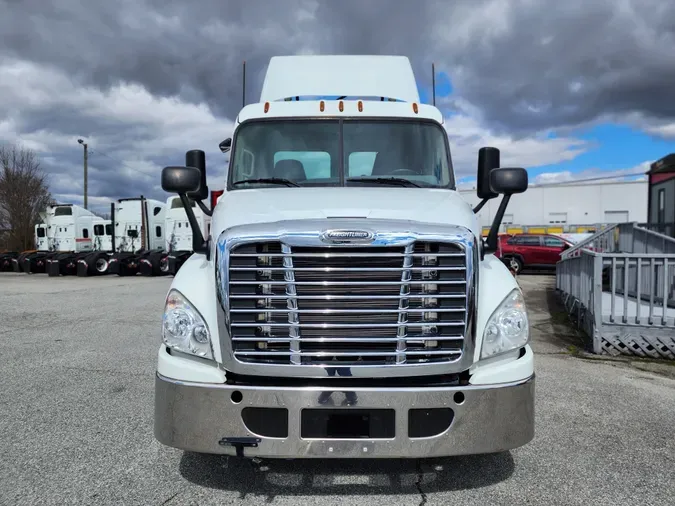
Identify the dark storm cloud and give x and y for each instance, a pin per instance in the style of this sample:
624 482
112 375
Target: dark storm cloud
520 66
563 63
524 64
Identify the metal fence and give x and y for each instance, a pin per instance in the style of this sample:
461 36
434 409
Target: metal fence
662 228
620 289
624 238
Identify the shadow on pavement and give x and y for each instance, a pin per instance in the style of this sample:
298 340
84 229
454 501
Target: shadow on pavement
304 477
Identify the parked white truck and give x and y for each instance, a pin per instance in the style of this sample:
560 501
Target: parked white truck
65 235
344 303
139 238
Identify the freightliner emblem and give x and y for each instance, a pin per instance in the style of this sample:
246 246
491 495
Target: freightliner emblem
347 236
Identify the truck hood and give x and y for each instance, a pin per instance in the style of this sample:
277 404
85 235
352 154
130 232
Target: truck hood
427 205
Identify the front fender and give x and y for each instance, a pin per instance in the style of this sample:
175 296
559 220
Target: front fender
495 282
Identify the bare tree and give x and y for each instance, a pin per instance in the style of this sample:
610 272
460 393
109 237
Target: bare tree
24 194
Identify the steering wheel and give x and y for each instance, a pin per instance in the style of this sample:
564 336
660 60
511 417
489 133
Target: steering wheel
405 171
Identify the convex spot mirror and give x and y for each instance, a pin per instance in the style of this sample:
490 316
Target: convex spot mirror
508 181
181 179
225 145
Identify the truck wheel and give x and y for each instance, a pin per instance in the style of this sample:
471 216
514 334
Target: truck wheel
100 263
164 264
18 263
156 262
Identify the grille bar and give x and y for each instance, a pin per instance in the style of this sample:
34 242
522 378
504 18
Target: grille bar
349 283
349 311
349 297
346 339
365 325
346 353
346 254
329 269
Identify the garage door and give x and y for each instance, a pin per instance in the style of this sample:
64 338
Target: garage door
616 216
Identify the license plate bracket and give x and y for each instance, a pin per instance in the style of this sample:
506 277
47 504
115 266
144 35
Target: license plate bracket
348 424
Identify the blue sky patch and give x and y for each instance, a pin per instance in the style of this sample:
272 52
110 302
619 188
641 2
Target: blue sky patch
614 147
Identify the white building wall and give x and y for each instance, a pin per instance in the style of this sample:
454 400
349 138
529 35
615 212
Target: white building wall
574 204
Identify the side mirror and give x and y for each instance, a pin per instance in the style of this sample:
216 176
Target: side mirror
197 158
181 179
186 181
488 160
508 181
225 145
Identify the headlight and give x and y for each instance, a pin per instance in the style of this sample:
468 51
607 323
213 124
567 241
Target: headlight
508 327
184 329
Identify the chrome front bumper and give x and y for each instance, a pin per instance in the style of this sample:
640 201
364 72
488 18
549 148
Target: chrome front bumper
204 418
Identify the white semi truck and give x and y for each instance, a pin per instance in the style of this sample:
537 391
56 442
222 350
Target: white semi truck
139 238
65 235
344 303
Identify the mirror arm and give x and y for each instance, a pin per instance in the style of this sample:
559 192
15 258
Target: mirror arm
199 245
204 209
480 205
492 239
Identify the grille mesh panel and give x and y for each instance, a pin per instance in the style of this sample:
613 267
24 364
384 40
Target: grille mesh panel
347 305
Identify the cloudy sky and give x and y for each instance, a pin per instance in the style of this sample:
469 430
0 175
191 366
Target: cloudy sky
568 90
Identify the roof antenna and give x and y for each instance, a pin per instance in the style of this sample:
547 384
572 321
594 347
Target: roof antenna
433 84
243 86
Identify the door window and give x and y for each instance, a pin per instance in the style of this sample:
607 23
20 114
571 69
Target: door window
553 242
525 240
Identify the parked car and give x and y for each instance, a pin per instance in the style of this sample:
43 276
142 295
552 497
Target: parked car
531 251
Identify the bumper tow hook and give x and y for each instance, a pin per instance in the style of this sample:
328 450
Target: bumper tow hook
239 443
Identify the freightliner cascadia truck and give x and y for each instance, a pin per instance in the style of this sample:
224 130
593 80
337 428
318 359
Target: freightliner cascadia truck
344 303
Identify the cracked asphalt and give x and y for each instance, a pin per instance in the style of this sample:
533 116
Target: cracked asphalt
76 419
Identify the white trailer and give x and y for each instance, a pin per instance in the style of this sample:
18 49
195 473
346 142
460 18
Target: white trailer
344 304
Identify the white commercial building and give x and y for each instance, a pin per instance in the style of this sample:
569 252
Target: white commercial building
569 205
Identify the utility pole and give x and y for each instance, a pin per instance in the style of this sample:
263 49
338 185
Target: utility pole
84 144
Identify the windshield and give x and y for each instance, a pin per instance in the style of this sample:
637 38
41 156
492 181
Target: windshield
329 152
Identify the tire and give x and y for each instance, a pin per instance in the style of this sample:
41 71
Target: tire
514 264
100 263
164 264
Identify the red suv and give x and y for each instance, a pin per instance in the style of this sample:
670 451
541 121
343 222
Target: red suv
535 251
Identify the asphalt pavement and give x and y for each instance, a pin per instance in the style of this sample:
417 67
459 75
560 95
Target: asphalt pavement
78 359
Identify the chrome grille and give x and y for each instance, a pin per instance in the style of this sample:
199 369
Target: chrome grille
349 305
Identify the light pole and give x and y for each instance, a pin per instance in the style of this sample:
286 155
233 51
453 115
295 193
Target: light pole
85 170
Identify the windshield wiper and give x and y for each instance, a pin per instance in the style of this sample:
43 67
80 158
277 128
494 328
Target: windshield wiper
384 180
271 180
